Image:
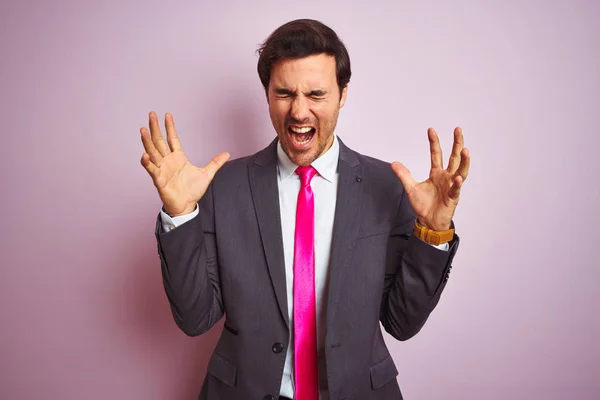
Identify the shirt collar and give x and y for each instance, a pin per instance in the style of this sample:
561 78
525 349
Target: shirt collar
326 164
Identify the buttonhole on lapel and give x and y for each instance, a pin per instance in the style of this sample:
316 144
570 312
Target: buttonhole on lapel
358 179
333 346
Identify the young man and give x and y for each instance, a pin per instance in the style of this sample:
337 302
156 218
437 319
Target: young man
306 245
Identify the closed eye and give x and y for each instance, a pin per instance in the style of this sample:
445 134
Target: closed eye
284 93
317 94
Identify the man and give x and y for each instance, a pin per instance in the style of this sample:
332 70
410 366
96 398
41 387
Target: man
306 245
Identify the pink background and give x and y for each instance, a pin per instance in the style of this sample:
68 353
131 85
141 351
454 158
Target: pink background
82 310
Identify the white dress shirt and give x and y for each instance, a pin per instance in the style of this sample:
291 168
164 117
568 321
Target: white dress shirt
324 185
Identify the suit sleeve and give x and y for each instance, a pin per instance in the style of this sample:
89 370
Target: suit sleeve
416 274
190 270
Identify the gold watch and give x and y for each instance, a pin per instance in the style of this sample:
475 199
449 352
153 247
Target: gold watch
432 237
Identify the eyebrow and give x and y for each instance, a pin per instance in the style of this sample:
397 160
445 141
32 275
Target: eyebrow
288 92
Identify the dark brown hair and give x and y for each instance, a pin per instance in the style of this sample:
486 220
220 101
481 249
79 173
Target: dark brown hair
302 38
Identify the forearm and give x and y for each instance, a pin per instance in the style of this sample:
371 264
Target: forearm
415 276
190 275
413 285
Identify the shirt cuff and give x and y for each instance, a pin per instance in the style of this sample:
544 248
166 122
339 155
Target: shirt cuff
169 223
442 246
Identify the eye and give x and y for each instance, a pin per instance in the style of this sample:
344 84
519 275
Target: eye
283 93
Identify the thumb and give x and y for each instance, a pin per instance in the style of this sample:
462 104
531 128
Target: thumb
404 175
215 164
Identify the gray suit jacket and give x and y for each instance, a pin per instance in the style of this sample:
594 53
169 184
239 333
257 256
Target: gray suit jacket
229 261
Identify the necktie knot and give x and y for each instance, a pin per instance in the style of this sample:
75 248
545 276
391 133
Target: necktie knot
306 174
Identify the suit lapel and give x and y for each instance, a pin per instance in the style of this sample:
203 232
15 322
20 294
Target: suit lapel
265 194
345 224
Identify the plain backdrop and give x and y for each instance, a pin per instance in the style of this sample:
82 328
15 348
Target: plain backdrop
83 314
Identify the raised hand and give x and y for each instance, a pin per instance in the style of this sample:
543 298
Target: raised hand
435 199
179 183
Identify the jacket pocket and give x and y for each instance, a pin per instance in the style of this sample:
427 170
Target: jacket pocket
383 372
222 369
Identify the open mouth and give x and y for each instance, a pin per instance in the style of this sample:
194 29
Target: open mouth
301 136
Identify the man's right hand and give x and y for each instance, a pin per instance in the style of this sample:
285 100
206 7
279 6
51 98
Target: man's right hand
179 183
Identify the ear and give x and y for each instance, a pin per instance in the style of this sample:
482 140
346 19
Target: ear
343 97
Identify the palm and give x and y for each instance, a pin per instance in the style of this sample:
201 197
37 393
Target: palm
180 184
435 199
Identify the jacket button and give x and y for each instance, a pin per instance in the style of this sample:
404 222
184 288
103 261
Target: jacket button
268 397
277 348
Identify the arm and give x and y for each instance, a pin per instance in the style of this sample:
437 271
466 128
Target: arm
190 270
416 274
188 252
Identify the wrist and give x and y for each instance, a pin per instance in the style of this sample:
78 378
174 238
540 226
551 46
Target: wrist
431 236
173 214
434 227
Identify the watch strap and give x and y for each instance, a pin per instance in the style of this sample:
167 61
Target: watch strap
432 237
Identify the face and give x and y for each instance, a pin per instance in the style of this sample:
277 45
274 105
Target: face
304 103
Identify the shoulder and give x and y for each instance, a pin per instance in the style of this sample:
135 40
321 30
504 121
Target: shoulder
234 167
382 191
374 165
377 170
381 178
236 170
380 183
230 172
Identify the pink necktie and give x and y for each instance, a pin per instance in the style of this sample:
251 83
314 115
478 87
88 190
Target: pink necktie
305 313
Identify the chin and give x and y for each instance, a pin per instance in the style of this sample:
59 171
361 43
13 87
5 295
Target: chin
302 159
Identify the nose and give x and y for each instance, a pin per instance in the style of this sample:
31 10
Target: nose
300 109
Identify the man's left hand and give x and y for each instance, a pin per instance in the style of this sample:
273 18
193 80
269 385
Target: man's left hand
435 199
